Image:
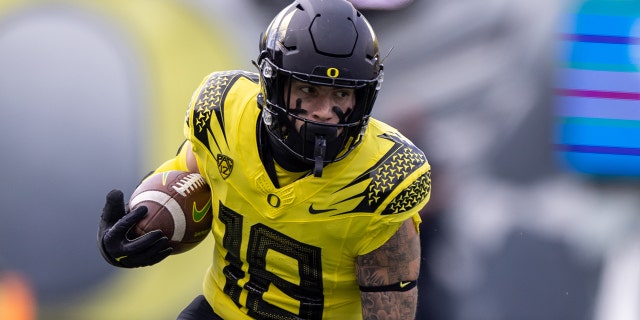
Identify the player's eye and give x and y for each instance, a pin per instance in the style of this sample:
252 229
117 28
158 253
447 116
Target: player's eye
308 90
342 94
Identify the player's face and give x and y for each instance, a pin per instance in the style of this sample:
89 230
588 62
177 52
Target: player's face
321 103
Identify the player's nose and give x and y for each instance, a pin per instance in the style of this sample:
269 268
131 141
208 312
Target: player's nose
323 111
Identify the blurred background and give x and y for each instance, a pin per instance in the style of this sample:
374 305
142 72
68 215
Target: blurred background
527 109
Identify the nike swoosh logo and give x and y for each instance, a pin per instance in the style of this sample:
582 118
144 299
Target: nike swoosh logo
165 175
404 284
316 211
198 215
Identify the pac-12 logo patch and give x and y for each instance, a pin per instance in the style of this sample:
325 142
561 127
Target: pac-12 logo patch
225 165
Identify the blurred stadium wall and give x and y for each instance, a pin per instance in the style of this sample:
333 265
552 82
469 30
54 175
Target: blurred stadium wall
508 234
92 97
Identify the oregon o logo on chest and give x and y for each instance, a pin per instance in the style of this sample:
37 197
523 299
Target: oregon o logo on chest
273 200
333 72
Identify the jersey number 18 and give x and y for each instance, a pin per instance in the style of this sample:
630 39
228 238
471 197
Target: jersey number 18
262 239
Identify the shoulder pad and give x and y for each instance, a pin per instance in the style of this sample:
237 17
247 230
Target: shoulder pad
209 100
403 162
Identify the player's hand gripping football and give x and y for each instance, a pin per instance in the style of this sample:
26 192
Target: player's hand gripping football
113 240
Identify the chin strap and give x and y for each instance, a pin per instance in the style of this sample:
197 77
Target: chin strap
318 155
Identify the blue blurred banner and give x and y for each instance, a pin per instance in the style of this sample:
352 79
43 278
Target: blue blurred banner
598 89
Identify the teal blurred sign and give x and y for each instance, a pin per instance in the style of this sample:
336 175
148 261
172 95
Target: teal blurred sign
598 89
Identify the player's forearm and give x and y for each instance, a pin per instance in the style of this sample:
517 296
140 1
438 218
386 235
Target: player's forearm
391 305
388 276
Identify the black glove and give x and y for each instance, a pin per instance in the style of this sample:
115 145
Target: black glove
115 245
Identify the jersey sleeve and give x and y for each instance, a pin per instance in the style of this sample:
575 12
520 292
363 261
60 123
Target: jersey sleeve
405 205
197 117
215 108
199 113
403 180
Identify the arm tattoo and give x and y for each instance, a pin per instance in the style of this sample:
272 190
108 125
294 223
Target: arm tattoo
389 305
398 260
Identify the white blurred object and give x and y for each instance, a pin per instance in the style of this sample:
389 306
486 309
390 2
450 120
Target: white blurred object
380 4
620 285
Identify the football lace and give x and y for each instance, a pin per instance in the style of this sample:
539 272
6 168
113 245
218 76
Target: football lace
189 183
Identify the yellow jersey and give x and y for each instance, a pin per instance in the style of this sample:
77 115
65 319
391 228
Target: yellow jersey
289 252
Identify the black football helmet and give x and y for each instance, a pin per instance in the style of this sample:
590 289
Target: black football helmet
319 42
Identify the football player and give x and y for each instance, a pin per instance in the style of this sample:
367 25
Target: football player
316 203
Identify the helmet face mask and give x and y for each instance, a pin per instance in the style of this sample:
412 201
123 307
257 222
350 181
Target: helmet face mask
300 45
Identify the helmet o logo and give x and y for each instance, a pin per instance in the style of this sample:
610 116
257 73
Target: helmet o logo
333 72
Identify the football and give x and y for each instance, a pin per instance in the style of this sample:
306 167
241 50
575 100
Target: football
179 204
